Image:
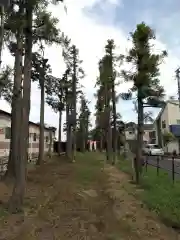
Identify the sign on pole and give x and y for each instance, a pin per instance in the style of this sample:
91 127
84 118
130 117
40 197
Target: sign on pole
5 3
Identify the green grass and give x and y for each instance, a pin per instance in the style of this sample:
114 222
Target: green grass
125 166
160 194
88 168
3 212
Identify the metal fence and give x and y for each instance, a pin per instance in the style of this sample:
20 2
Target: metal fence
170 164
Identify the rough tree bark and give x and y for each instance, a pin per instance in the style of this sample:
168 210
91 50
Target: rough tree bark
16 107
74 91
16 200
109 139
59 132
137 163
101 143
108 124
68 130
84 139
114 123
50 144
41 137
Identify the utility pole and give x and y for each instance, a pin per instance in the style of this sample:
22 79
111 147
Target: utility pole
178 82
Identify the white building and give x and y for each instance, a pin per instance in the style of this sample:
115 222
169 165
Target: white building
169 120
5 136
149 133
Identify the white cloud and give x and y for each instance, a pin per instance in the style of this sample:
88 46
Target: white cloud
90 37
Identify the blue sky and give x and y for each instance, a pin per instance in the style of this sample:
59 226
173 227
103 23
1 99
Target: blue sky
162 16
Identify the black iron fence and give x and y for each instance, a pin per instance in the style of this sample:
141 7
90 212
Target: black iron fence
170 164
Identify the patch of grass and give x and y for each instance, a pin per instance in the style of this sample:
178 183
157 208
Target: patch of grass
160 194
125 166
3 212
88 167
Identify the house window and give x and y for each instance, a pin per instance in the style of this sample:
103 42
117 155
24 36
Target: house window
34 137
7 133
163 124
178 121
47 138
152 134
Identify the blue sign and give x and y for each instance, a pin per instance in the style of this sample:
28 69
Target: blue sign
175 129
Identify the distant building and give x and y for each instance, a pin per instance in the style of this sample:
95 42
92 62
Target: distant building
5 136
149 133
169 120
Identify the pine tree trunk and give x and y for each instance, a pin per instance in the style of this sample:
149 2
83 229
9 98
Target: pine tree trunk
83 139
2 17
16 109
16 200
69 142
68 134
74 144
138 159
2 32
50 144
109 143
101 143
74 105
115 125
41 137
59 133
26 84
108 133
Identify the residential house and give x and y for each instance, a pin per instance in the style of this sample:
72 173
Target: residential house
5 136
131 135
168 120
149 133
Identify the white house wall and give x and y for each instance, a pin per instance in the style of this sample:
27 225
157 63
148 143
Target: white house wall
170 115
165 117
130 135
172 146
173 117
173 113
33 145
4 143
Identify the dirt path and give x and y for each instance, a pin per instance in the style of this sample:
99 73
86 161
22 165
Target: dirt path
132 214
78 201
